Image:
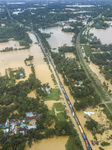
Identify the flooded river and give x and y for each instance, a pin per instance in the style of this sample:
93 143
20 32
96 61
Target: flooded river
105 36
58 38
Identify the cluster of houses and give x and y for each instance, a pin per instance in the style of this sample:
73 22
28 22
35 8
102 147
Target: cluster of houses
15 126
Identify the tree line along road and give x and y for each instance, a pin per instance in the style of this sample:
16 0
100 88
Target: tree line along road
96 83
85 140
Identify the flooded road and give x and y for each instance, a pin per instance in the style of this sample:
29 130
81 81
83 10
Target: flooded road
58 38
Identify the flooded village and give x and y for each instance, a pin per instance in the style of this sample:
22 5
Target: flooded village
42 97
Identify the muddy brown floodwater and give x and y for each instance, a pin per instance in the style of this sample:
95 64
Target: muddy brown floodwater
104 35
55 143
96 70
15 59
11 43
58 38
70 55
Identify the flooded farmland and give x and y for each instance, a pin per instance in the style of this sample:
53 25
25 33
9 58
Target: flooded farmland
15 59
96 70
105 36
58 38
55 143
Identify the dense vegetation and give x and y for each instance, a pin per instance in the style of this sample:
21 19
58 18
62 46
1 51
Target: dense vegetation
71 144
76 27
49 14
105 143
100 24
43 39
13 30
65 49
13 97
75 78
99 54
16 94
94 126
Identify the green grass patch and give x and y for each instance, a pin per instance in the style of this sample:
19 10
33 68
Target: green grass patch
52 111
54 95
88 50
62 116
73 143
59 107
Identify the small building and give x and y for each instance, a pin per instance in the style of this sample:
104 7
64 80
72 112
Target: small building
21 75
32 127
23 130
31 116
80 82
13 125
47 90
6 130
23 124
6 124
